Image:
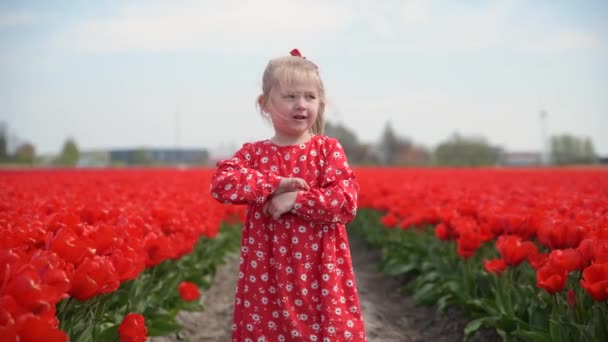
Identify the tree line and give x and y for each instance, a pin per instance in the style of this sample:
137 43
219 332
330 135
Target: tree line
25 152
392 149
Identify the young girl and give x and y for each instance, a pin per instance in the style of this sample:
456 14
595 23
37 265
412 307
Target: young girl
296 281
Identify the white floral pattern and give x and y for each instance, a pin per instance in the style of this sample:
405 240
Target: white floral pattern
296 281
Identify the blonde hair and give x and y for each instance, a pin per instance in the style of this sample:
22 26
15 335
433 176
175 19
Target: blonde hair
286 71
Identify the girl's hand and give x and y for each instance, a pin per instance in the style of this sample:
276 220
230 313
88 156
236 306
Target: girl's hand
280 204
291 184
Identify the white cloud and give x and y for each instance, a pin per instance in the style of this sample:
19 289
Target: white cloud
423 27
391 26
562 40
228 25
415 11
376 28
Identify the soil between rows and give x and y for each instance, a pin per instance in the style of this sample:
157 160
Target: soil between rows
389 315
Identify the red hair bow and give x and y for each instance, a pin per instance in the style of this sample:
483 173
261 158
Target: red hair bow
296 53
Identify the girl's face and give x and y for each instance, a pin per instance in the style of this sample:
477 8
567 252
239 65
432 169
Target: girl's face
293 110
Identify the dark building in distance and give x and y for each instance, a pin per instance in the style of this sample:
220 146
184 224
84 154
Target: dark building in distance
144 157
159 156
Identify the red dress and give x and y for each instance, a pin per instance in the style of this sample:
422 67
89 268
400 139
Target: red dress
296 281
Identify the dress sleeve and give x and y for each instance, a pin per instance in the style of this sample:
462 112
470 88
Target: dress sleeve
235 182
335 201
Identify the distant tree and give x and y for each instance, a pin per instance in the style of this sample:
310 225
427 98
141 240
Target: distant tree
466 151
589 150
69 153
357 152
25 154
347 138
3 142
414 155
392 145
567 149
140 157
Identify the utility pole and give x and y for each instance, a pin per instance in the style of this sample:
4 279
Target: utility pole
177 136
543 134
177 128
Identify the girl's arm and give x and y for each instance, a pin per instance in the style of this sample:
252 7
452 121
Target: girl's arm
235 182
336 200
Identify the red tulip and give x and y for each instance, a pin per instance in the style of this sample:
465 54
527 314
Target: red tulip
496 266
568 259
128 262
28 291
35 329
103 238
466 248
133 328
585 248
188 291
71 247
55 273
538 260
557 233
513 250
600 251
442 232
9 310
468 242
389 220
595 281
551 278
62 218
94 276
158 247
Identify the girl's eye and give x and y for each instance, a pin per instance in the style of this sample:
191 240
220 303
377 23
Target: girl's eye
311 97
289 96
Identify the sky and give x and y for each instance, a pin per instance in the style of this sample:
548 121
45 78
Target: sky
127 74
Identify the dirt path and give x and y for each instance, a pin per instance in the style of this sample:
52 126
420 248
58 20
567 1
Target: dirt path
392 317
389 316
214 323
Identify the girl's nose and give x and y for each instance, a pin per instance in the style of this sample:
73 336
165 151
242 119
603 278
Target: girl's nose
300 103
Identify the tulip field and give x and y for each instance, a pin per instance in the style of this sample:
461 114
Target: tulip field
523 251
91 255
108 254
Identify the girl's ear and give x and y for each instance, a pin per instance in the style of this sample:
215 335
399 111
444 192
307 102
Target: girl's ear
262 104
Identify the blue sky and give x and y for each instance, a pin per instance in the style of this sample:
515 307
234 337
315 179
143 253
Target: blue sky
119 74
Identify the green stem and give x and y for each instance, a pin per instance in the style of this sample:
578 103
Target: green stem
555 308
466 277
64 309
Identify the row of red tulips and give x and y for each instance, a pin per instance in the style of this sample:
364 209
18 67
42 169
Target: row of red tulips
133 327
555 221
80 234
